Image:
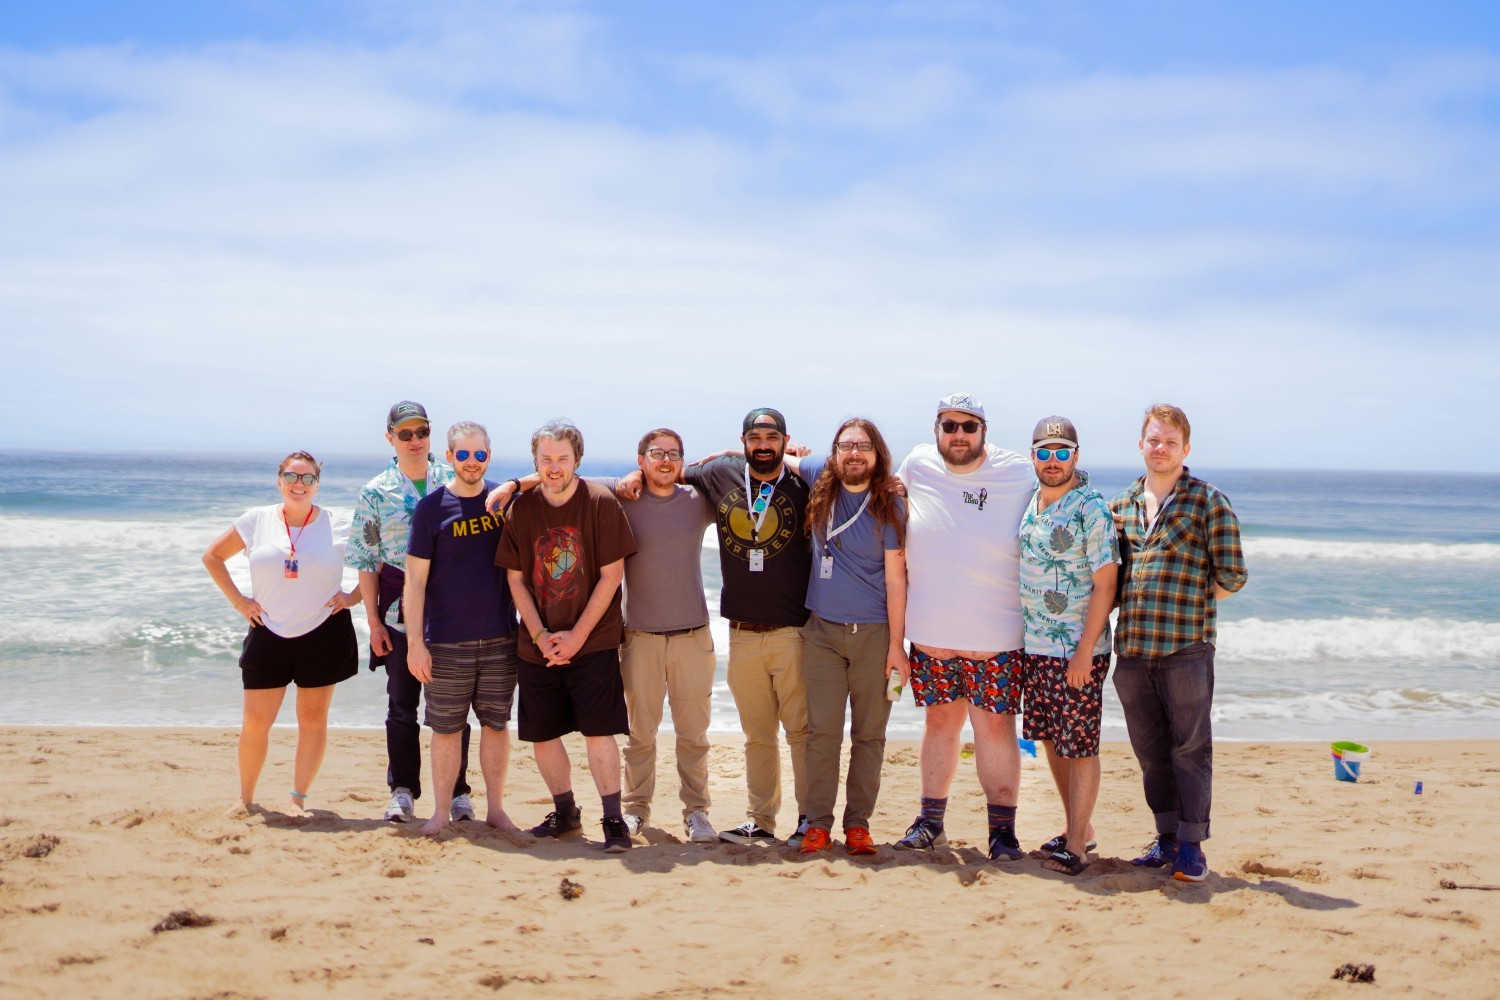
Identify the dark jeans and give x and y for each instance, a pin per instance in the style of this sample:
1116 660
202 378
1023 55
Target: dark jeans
1167 700
403 731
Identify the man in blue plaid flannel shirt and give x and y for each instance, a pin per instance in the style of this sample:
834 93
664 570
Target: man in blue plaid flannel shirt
1180 542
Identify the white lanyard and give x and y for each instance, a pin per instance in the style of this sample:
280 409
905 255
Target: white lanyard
835 532
756 520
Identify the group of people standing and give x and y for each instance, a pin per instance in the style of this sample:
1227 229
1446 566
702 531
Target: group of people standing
981 578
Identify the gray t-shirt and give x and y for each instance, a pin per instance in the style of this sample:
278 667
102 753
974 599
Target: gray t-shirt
664 579
855 589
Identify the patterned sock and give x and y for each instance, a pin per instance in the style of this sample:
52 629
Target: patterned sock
934 809
564 803
612 805
1001 816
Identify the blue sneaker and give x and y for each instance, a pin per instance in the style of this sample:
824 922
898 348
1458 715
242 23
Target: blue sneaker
1191 865
1003 844
1162 852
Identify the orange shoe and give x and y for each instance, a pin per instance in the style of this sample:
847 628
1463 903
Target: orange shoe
815 841
857 840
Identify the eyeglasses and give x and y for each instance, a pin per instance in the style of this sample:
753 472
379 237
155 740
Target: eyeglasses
656 455
967 426
1045 454
462 455
305 478
865 446
420 433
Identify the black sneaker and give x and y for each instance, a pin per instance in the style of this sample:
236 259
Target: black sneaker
1003 844
556 825
795 840
616 835
747 833
922 835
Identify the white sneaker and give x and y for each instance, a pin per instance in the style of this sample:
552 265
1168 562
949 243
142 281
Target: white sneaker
461 809
634 824
400 809
699 829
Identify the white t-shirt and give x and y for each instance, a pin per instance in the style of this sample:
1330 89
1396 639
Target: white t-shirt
294 607
962 550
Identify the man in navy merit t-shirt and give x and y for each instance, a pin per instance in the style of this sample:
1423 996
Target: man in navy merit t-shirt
461 625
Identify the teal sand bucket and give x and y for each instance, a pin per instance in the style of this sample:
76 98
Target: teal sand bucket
1347 758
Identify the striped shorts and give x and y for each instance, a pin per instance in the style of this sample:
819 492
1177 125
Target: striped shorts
480 674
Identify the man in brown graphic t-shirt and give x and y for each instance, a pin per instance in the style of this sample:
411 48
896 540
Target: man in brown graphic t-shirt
563 549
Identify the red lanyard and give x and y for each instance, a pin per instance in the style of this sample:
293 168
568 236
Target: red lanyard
303 527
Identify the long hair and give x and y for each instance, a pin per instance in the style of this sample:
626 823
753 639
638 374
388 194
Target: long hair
883 503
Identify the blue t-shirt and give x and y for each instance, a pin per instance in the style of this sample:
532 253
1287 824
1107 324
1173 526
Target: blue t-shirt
856 590
467 596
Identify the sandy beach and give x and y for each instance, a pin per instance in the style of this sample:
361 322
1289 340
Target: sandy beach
105 833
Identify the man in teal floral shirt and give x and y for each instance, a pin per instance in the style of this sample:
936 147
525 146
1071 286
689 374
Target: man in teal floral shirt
1069 565
377 549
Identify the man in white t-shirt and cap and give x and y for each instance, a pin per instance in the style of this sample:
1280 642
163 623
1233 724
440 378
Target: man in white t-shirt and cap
965 499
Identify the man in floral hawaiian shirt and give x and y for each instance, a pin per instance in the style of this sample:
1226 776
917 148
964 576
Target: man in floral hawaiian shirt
1069 565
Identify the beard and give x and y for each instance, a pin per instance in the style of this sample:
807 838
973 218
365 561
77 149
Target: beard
764 461
1054 477
956 453
471 479
857 476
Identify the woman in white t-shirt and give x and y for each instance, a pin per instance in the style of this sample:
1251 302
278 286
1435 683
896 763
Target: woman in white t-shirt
300 628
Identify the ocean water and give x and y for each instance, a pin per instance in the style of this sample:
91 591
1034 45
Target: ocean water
1372 611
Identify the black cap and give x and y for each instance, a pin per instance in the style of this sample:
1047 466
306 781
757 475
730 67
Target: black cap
1054 430
764 411
404 411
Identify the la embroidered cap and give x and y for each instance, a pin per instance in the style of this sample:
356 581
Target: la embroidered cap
404 411
756 414
1054 431
963 402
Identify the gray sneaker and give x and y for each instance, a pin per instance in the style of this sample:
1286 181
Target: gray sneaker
400 809
699 829
922 835
795 840
461 809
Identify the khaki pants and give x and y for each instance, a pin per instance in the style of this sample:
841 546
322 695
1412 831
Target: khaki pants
844 665
681 670
765 677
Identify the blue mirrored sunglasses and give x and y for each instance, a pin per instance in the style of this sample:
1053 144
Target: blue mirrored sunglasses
462 455
1045 454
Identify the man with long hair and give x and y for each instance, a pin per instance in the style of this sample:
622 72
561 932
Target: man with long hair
852 642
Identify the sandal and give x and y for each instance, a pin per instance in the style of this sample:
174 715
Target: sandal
1060 841
1071 863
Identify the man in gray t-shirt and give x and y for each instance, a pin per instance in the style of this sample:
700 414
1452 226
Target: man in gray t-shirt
668 651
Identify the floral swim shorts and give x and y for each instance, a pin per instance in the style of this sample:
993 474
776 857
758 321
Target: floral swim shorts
1069 717
993 684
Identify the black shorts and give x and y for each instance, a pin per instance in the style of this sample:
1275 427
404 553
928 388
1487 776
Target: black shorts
326 655
587 696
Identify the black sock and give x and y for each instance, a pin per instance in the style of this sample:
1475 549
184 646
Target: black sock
1001 816
934 809
612 805
564 804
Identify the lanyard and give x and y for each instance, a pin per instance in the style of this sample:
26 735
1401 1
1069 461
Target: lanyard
303 527
767 490
835 532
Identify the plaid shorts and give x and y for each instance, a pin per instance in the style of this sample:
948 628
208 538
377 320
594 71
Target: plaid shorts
1068 717
993 684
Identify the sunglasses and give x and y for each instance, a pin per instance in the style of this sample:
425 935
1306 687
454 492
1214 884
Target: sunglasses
420 433
462 455
865 446
1045 454
305 478
967 426
656 455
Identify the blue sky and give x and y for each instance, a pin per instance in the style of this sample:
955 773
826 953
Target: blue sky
254 225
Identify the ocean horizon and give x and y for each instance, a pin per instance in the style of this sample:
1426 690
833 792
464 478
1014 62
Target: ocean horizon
1370 612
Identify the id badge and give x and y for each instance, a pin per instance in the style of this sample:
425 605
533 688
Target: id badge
289 569
825 568
757 560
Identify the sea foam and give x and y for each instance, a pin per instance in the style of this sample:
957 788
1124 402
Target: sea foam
1363 551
